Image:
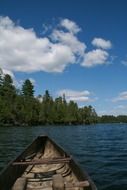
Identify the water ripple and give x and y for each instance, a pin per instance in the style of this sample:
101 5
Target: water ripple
100 149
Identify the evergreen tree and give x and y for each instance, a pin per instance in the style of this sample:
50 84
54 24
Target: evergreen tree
28 88
59 110
7 96
46 107
8 90
71 116
22 108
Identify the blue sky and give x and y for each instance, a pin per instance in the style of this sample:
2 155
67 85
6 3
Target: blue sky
76 47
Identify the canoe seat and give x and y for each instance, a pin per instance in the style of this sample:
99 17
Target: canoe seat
20 184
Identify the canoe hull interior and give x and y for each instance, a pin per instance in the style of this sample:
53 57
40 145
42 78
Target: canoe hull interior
34 161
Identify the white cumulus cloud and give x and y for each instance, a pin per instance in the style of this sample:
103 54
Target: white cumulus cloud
77 96
70 25
121 97
95 57
101 43
69 40
22 50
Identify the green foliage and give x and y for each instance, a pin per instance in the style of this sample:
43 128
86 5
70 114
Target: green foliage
46 109
112 119
22 108
7 97
28 88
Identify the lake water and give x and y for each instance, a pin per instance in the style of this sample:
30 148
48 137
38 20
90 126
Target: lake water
100 149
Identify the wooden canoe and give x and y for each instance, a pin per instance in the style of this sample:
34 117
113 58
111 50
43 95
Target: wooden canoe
44 165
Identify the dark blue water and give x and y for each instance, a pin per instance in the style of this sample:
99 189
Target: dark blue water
100 149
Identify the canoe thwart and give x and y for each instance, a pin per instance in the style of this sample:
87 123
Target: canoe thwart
44 161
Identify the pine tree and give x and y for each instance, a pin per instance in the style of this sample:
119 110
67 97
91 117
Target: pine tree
46 108
72 113
28 88
8 90
7 95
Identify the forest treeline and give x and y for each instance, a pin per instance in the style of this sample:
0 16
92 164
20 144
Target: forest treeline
21 107
112 119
